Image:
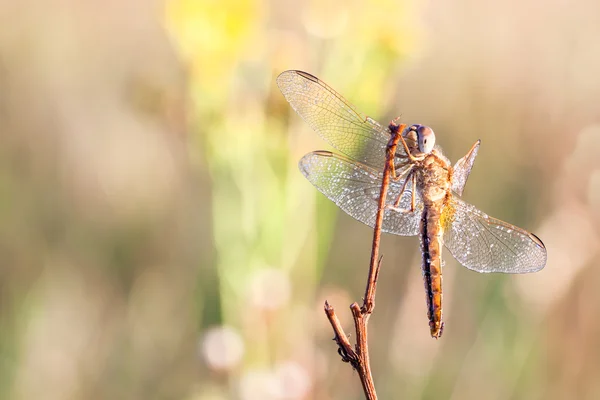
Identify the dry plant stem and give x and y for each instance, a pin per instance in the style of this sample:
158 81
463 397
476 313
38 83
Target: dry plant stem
369 300
359 357
345 349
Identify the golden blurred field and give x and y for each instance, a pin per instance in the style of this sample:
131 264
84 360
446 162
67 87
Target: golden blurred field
157 240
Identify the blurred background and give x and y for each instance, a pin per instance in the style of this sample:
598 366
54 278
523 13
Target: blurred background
158 241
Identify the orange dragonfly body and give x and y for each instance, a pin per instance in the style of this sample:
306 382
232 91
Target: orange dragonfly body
423 195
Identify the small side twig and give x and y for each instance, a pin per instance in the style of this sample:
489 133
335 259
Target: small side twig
359 357
345 349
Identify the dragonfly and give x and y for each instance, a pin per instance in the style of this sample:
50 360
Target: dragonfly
424 194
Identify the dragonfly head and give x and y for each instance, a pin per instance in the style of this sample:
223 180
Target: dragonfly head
425 138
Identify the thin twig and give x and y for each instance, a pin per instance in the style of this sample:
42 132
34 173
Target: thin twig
359 358
369 300
345 349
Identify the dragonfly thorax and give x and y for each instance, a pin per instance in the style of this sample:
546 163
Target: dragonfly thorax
433 175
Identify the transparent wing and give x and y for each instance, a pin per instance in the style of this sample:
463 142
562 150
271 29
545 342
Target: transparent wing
334 119
354 187
462 169
486 244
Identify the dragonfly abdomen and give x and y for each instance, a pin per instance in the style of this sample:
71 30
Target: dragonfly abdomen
431 249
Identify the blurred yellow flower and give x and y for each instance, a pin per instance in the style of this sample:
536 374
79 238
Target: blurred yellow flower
211 36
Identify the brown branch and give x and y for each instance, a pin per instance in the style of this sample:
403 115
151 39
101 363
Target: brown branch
345 349
359 358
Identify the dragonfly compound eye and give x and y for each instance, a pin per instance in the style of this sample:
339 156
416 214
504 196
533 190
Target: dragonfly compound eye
426 138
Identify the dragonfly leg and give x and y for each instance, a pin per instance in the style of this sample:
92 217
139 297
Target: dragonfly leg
396 207
408 153
395 177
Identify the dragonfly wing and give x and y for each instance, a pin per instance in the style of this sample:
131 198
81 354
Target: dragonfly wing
355 188
462 169
486 244
334 119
